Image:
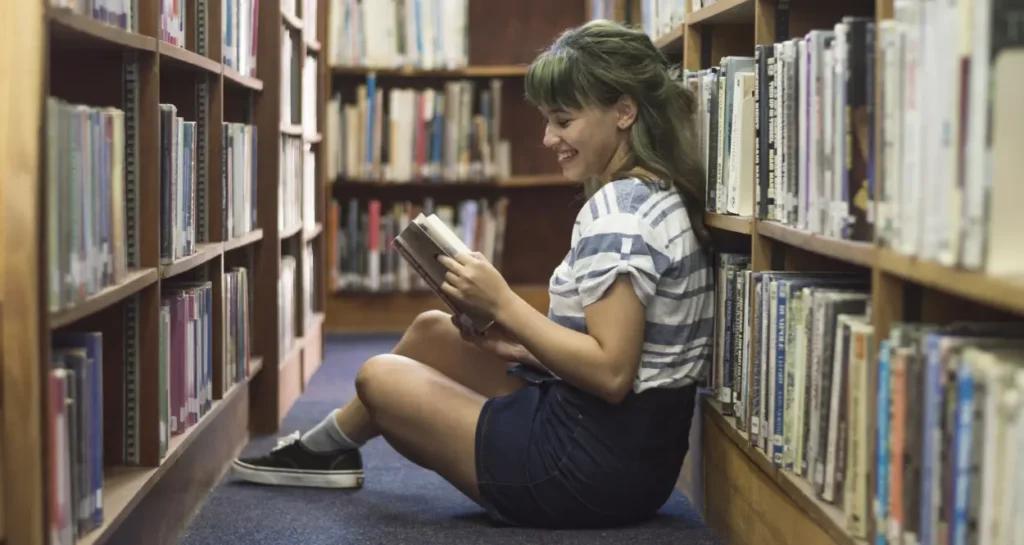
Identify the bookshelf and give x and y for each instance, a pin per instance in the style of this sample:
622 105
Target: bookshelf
519 191
143 257
879 456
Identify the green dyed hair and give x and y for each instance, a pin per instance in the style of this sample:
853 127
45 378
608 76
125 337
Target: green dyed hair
598 63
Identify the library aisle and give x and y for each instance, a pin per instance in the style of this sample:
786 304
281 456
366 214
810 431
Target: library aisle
199 197
399 503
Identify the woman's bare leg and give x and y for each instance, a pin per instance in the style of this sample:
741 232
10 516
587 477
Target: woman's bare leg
434 341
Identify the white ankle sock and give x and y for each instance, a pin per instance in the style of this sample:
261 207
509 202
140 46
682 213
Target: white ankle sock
327 436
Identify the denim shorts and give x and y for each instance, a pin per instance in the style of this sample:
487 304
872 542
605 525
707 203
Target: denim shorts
553 456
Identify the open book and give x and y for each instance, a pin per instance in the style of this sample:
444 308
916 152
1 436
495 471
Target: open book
425 238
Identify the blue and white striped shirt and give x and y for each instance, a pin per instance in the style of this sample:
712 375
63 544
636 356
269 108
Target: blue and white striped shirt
635 228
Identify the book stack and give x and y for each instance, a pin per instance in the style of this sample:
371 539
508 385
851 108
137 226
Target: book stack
117 13
239 179
240 20
237 360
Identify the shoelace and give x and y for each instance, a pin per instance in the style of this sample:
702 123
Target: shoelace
287 440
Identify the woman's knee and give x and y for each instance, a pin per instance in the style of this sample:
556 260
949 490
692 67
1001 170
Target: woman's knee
432 325
372 380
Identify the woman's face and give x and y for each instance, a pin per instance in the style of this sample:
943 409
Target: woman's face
584 140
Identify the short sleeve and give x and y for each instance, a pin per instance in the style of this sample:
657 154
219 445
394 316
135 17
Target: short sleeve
616 244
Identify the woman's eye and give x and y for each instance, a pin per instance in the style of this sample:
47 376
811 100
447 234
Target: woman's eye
564 123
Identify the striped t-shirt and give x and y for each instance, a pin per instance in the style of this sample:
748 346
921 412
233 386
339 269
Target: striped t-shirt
636 228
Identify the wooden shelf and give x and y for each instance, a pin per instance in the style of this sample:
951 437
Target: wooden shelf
124 487
1005 293
671 43
313 47
242 241
291 21
181 58
233 77
856 253
315 138
204 253
292 130
735 224
366 312
829 517
538 180
723 12
289 232
310 234
71 29
496 71
136 281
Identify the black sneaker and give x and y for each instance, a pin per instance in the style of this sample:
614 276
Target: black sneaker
290 463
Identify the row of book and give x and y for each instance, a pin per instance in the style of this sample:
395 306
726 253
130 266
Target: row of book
289 305
238 312
951 129
298 106
81 375
297 187
363 258
118 13
424 34
173 21
406 135
85 214
178 148
793 360
239 179
240 32
946 121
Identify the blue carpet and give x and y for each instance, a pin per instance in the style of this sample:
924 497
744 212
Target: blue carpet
399 503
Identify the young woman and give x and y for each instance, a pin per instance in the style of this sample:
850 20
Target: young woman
579 418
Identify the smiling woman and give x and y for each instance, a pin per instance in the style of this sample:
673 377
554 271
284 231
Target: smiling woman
577 418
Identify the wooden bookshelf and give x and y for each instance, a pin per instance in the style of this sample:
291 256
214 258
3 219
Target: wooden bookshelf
502 39
743 495
82 61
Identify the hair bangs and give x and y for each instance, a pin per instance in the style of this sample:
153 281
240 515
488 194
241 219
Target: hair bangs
552 82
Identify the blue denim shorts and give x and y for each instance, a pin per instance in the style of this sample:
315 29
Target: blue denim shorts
552 456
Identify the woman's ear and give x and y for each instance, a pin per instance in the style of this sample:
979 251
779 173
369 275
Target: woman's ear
625 110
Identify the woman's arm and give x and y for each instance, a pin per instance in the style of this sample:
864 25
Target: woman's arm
603 361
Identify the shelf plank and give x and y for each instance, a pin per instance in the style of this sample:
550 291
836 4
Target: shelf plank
313 47
735 224
313 138
537 180
80 31
483 71
203 254
310 234
291 130
234 77
830 518
124 486
857 253
723 12
243 240
135 281
179 57
1006 293
365 312
289 232
291 21
671 43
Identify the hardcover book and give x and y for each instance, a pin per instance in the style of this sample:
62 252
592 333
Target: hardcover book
420 243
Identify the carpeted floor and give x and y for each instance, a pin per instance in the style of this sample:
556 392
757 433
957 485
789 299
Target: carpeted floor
400 502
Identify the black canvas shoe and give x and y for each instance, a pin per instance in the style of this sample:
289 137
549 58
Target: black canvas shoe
290 463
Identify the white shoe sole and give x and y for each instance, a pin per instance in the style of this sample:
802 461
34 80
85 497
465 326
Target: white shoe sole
291 477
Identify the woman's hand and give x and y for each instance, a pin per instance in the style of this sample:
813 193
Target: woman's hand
495 341
473 281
